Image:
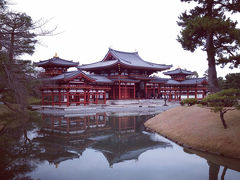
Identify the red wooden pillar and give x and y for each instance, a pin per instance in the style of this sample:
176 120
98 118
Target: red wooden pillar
52 98
88 96
59 97
180 95
188 93
196 93
146 90
203 94
104 95
97 97
119 90
85 97
154 90
68 98
125 91
134 93
170 96
114 89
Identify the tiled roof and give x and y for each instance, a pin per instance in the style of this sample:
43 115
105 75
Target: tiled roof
72 74
160 80
100 64
100 79
178 71
131 59
126 80
57 62
192 81
141 77
64 76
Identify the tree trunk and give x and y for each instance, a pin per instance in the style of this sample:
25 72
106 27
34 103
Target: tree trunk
222 119
212 73
213 170
11 47
224 172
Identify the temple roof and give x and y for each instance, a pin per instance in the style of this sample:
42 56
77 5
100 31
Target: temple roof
125 80
73 74
159 80
99 78
56 61
178 71
131 59
192 81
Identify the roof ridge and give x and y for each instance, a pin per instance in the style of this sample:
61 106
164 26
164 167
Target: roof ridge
98 62
136 52
113 52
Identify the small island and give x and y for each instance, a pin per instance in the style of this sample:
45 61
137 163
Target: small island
199 128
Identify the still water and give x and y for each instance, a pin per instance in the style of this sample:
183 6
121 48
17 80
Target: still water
103 146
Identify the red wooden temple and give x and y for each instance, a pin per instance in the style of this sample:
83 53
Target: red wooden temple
119 76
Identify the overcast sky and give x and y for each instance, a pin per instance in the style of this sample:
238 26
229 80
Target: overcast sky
89 27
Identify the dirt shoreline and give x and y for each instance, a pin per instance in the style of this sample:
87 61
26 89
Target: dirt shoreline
200 129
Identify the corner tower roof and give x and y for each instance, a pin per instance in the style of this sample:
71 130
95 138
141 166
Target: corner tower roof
178 71
56 61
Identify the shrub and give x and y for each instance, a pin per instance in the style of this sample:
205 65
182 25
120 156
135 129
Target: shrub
223 101
189 101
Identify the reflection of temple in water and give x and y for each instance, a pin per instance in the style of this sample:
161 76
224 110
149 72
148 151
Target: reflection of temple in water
119 148
118 138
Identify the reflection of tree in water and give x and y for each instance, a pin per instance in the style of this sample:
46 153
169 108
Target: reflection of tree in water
18 153
57 147
215 162
214 171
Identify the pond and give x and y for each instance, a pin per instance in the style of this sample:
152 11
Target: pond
103 146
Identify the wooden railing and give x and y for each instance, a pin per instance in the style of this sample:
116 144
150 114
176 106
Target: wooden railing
70 86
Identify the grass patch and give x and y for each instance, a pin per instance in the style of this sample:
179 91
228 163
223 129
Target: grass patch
200 128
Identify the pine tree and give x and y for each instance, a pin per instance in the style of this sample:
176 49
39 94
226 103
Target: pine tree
207 26
18 36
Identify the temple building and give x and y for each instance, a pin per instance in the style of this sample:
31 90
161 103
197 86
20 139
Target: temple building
119 76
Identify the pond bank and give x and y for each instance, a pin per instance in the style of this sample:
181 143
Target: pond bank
125 106
199 128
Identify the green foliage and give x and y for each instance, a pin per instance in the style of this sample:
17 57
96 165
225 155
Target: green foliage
34 100
206 26
16 33
189 101
18 37
223 99
223 102
232 81
221 83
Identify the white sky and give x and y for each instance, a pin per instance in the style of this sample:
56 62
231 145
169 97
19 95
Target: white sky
90 27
